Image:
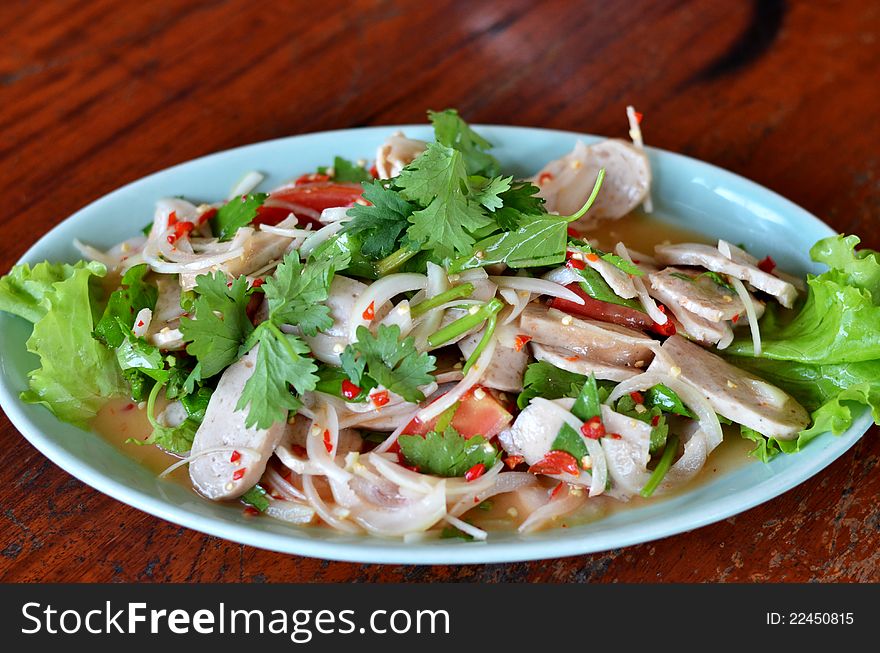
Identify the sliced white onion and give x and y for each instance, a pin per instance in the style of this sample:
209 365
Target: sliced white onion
537 286
379 292
470 379
646 300
412 516
207 452
518 300
400 476
563 276
691 397
745 296
142 322
292 512
635 133
94 254
284 487
428 323
464 527
335 214
316 502
401 316
183 210
563 504
457 487
599 469
246 184
327 420
287 232
319 237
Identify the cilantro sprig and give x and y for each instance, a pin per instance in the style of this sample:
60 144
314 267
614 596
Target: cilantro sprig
447 453
388 361
221 332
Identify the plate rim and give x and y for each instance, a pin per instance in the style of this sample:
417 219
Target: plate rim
378 550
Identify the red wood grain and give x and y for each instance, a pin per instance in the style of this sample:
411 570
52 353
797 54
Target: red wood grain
98 93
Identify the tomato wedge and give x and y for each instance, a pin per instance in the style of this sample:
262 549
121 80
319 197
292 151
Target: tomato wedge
595 309
556 462
479 413
320 195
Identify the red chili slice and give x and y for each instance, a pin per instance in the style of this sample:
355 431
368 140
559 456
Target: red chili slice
593 428
603 311
328 445
520 341
370 311
637 397
350 390
556 462
238 473
475 472
767 265
235 457
380 398
513 461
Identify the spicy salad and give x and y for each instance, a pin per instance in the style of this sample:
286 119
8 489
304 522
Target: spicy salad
388 347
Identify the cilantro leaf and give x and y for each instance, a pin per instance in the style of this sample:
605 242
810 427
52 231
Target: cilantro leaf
237 212
390 362
518 203
489 192
281 363
545 380
433 173
381 224
347 171
444 224
450 130
296 294
220 325
124 304
447 454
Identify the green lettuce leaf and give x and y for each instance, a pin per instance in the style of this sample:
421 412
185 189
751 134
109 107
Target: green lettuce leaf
77 374
23 291
828 355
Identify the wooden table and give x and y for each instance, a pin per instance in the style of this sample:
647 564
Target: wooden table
96 94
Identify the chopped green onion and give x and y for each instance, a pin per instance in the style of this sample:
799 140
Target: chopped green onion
488 332
662 467
466 323
457 292
394 260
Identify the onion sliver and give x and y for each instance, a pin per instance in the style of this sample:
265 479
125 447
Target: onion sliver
555 508
319 237
286 233
599 469
401 476
647 301
379 292
470 379
292 512
518 300
246 184
468 529
706 416
412 516
324 512
746 298
538 286
391 439
327 422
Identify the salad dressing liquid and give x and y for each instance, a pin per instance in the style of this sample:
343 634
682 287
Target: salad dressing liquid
121 419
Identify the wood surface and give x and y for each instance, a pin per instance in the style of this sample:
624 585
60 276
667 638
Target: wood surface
95 94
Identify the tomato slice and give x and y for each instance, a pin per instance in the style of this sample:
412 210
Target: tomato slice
603 311
320 195
479 413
